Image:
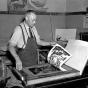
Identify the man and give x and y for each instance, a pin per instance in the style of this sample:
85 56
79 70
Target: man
23 43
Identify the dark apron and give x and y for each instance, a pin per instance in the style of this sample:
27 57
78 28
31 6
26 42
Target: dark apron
29 55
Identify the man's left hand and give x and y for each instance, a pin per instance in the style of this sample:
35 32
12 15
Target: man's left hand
52 43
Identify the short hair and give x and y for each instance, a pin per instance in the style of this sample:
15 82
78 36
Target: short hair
30 11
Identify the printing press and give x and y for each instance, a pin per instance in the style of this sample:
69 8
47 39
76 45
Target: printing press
45 75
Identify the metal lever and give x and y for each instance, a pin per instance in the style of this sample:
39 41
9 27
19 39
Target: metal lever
19 75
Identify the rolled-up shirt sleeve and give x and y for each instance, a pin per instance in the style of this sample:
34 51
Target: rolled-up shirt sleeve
16 36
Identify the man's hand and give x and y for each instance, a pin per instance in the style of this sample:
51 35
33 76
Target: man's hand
18 64
52 43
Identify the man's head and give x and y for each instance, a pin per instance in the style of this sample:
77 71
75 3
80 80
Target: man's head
30 18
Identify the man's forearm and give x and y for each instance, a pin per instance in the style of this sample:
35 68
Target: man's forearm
13 52
44 43
16 57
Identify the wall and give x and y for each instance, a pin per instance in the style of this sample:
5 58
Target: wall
3 5
7 25
58 22
84 5
76 21
59 5
76 5
73 5
45 25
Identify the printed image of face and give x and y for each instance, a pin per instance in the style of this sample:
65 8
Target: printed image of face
31 19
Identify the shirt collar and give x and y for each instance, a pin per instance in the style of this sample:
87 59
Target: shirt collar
27 27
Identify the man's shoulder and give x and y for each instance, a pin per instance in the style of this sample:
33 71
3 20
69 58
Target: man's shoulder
18 29
20 26
21 23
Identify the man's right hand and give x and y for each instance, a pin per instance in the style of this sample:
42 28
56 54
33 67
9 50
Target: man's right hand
12 50
18 64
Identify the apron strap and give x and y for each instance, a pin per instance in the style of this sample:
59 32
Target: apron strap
23 36
31 33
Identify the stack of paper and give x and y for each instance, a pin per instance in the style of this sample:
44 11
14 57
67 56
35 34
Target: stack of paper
79 51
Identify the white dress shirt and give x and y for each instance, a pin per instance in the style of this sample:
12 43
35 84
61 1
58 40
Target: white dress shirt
17 37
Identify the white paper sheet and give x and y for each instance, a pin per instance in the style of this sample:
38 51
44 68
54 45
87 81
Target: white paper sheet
65 34
79 51
57 56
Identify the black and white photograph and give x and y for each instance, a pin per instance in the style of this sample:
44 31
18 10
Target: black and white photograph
43 43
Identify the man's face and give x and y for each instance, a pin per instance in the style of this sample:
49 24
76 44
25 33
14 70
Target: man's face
31 19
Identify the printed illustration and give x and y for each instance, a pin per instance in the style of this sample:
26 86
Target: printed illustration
40 5
58 56
16 5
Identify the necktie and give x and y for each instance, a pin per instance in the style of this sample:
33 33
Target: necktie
30 31
32 34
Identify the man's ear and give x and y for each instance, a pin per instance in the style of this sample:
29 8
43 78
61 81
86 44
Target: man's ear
26 18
